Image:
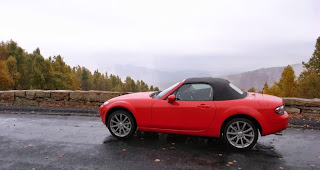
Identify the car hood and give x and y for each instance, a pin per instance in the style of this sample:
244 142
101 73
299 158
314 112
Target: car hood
140 95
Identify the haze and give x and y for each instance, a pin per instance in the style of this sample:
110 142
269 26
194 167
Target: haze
219 37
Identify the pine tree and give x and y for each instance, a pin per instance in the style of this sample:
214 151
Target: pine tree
287 83
313 65
309 80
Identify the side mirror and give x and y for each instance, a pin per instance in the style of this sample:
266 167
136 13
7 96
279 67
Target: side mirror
171 98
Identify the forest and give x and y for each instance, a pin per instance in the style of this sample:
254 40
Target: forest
20 70
307 85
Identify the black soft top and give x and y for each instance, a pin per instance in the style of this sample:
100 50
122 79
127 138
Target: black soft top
221 88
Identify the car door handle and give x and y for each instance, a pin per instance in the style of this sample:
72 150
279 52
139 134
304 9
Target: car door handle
204 106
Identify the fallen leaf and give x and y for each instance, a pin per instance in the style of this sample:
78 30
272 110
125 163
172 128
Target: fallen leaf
230 163
157 160
28 146
124 150
227 165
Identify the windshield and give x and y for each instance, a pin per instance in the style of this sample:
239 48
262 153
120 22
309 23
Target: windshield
166 91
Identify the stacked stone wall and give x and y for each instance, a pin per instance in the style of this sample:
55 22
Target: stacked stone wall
96 98
55 98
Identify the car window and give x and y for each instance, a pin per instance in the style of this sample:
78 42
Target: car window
236 88
194 92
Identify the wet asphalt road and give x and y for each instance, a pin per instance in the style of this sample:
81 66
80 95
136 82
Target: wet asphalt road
74 142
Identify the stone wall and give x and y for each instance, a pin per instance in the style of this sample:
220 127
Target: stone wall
302 106
55 98
96 98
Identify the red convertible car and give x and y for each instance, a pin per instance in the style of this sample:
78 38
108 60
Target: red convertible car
210 107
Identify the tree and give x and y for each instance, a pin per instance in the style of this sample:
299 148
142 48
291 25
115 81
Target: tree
274 89
313 65
287 83
62 77
309 80
85 79
129 85
5 80
13 70
309 85
251 89
151 88
266 88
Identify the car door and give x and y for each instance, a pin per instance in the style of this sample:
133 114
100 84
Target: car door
193 109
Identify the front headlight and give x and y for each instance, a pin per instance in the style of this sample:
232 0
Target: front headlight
105 103
279 110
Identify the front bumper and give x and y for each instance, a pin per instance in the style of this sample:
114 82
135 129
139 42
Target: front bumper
103 112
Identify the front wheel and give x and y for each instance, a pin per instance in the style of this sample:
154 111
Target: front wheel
240 134
121 124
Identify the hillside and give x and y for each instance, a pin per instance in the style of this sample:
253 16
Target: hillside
258 77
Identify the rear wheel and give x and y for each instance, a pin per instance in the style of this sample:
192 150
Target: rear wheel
121 124
240 134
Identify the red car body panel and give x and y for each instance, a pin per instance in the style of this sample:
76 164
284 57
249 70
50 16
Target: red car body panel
203 118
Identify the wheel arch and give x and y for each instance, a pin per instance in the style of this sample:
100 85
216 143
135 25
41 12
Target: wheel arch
241 116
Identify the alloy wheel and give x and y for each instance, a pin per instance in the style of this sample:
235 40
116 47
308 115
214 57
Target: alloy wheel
120 124
240 134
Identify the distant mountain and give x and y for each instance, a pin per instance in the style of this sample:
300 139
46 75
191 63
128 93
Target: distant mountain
164 79
257 78
161 79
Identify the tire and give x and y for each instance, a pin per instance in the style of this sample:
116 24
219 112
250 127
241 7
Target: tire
240 134
121 124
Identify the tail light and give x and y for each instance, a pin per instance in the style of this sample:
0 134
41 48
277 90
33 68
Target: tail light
279 110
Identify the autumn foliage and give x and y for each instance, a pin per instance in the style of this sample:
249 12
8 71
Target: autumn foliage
20 70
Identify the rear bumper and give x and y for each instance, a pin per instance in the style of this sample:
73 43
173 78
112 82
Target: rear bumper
277 124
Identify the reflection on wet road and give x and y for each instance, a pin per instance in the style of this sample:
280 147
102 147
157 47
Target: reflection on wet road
60 142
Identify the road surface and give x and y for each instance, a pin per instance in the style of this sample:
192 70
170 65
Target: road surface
30 141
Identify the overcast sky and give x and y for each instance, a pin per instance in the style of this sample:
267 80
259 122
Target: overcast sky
214 36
